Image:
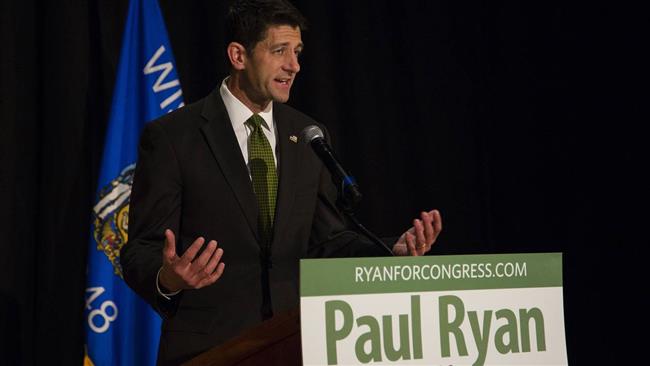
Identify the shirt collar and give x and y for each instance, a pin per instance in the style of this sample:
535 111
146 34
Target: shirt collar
239 113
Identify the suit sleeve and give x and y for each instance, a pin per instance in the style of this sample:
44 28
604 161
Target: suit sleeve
154 206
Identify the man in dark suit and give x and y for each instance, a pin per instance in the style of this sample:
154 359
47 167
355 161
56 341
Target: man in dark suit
197 182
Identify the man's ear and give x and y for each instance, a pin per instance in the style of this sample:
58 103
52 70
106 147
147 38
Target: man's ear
237 55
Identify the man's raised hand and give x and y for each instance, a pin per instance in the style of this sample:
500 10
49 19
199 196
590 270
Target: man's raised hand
420 237
190 271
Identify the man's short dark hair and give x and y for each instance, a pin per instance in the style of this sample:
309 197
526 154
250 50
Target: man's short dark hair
248 20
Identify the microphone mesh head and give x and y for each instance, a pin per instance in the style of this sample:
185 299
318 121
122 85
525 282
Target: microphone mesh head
310 133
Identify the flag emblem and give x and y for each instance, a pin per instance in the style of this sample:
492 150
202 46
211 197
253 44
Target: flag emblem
111 214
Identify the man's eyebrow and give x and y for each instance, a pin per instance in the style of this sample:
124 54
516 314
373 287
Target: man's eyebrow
285 44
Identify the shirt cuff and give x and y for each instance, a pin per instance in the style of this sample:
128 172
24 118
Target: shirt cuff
166 296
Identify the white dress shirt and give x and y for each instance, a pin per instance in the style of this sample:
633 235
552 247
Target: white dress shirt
239 114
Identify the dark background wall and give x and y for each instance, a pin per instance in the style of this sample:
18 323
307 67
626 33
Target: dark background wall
520 121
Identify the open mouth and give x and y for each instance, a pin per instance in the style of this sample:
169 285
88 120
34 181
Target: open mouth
285 82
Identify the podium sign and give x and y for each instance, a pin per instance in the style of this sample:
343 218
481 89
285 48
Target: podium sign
503 309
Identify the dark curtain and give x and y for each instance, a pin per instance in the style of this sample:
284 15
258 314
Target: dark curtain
520 121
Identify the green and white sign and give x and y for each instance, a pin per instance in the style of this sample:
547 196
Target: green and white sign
504 309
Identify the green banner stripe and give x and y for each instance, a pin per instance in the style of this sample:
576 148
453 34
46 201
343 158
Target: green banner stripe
347 276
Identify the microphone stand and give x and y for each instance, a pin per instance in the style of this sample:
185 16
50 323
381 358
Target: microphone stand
348 210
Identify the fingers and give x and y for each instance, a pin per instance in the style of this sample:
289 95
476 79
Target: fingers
204 265
191 252
420 239
429 232
200 262
410 243
204 269
212 264
213 277
169 249
437 221
432 223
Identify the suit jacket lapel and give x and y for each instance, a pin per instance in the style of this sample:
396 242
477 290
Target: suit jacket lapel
287 169
221 138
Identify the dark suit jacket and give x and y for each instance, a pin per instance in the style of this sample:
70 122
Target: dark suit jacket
191 178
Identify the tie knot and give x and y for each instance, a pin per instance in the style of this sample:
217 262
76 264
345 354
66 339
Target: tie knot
255 121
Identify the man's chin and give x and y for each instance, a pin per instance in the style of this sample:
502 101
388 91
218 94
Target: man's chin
281 98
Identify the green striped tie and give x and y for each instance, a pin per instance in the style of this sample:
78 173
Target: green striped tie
263 175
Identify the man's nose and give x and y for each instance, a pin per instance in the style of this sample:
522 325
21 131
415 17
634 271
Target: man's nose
292 63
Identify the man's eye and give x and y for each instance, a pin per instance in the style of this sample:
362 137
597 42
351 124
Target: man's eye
279 51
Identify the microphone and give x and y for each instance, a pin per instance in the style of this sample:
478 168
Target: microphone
349 189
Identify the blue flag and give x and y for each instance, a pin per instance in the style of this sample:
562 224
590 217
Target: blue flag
121 328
